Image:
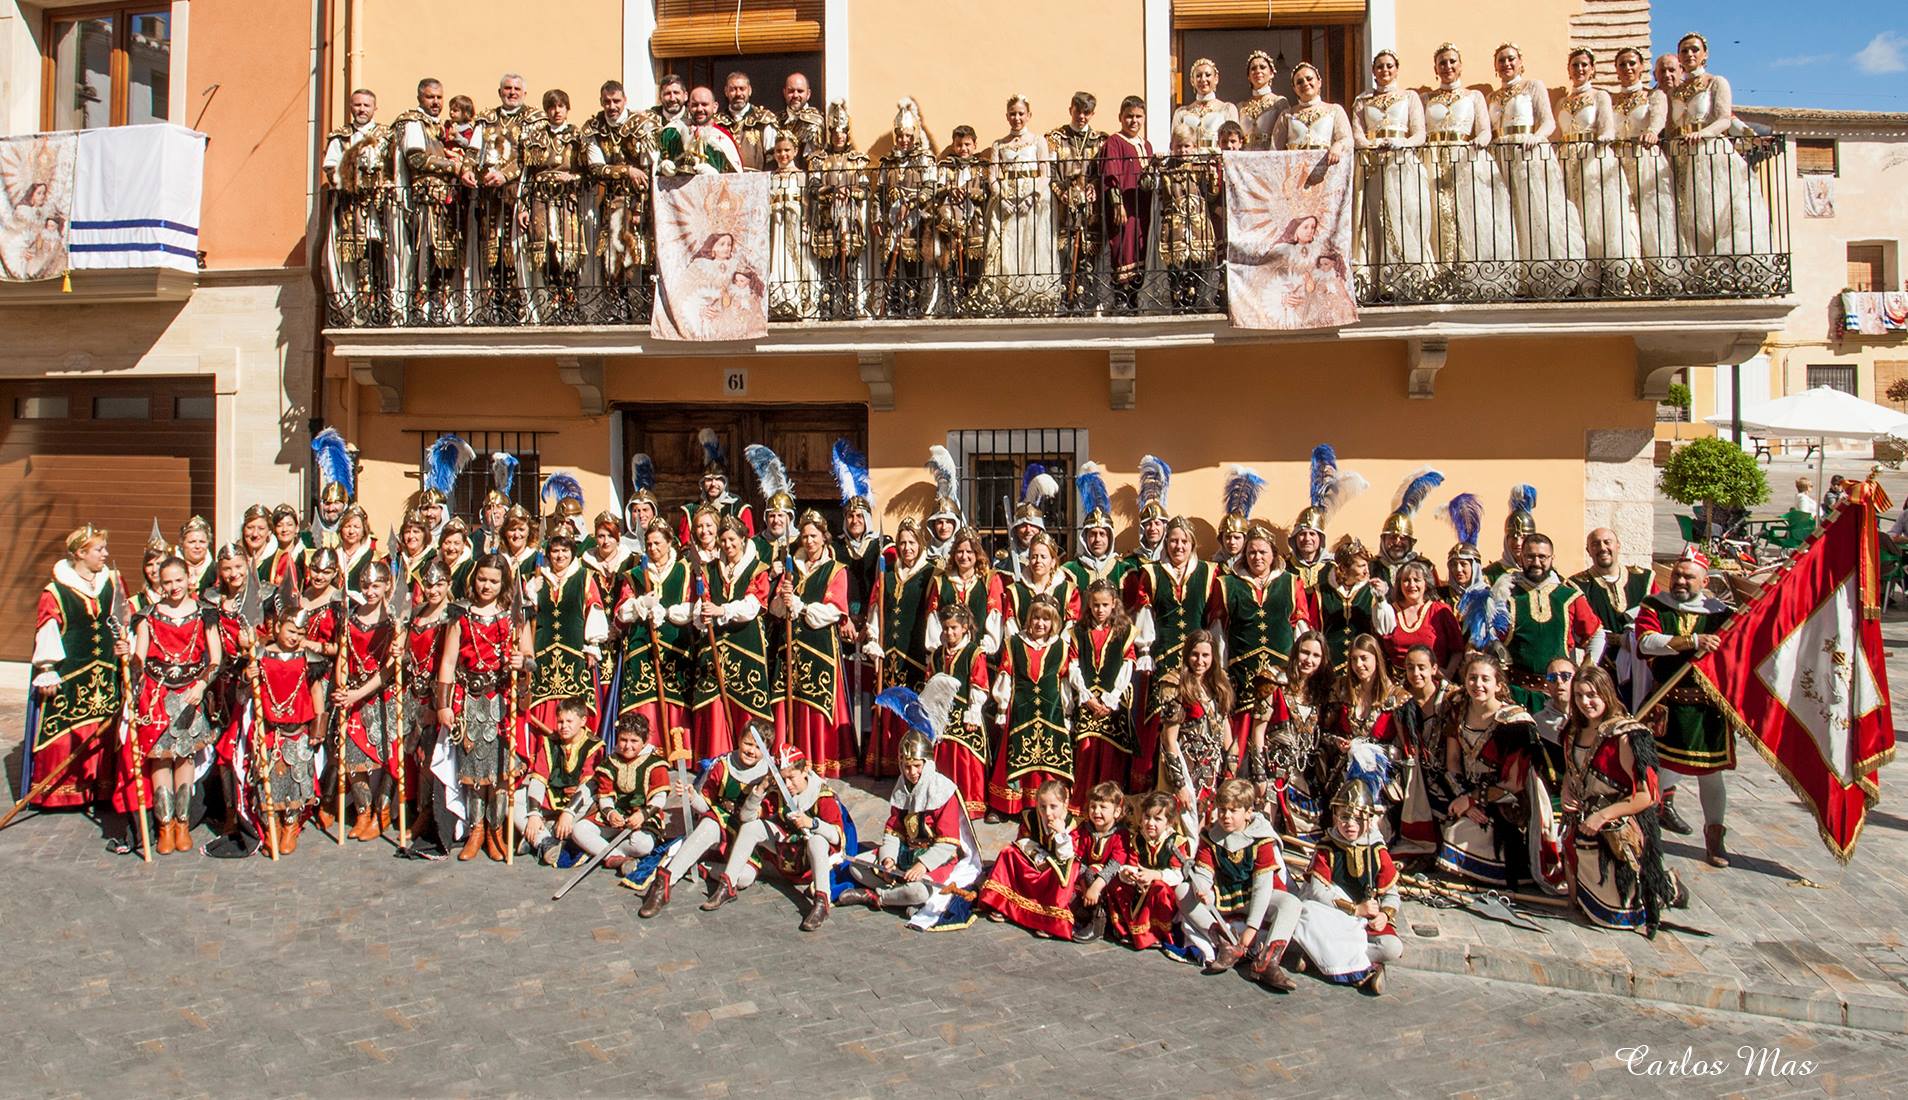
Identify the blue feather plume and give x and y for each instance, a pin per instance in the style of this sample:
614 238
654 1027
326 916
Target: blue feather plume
561 486
1091 485
1034 470
1466 514
851 472
1486 617
905 704
1324 473
1242 491
769 471
642 473
1369 765
1155 478
444 462
1412 494
503 471
328 453
711 447
1523 498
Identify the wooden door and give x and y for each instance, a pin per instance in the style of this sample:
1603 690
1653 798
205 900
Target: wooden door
803 436
114 454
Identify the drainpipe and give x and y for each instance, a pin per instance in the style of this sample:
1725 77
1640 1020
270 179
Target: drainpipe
317 94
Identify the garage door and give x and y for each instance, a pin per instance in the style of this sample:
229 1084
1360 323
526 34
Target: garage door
113 454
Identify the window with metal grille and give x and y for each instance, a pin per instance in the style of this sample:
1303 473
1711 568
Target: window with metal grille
467 499
1841 378
1816 157
994 461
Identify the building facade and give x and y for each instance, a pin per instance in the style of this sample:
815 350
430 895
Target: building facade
1554 389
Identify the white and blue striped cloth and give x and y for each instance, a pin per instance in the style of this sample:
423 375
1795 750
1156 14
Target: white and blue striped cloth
136 193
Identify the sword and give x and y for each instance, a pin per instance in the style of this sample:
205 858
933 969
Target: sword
583 872
679 755
775 773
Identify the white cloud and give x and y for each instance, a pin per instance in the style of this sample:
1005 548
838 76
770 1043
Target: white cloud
1796 61
1887 52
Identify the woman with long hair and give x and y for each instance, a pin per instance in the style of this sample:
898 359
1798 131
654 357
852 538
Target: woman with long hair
964 578
1030 690
732 682
1102 679
483 651
1614 847
231 691
812 601
1282 752
655 641
1194 704
1498 828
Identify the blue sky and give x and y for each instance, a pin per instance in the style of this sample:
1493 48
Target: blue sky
1837 55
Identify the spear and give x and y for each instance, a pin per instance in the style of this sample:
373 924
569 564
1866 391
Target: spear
121 622
251 613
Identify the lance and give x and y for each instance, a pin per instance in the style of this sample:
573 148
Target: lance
121 624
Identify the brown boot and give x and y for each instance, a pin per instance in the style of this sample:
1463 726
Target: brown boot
494 845
384 819
325 820
182 836
474 842
1267 971
288 836
1713 846
162 837
658 895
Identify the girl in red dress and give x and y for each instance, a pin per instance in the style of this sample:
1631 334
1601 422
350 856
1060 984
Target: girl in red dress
1101 678
1422 619
811 705
176 647
964 579
1034 878
1361 706
1144 900
1195 734
225 703
484 650
961 752
370 705
423 654
1283 754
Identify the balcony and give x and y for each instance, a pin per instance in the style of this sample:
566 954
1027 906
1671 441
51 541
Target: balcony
1688 252
112 216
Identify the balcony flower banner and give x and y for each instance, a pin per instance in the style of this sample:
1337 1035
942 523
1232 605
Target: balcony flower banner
36 204
712 250
1288 241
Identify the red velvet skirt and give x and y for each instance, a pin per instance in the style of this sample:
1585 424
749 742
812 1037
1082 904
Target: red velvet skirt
1033 897
1141 918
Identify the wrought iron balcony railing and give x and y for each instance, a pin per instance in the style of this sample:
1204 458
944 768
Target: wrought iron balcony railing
1508 223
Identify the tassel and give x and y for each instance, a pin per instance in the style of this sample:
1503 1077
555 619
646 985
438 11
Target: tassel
66 281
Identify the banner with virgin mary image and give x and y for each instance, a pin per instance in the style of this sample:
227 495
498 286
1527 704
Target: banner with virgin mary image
1288 241
712 253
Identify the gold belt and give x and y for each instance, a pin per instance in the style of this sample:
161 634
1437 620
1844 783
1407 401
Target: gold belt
1579 137
1447 137
1389 133
1518 129
1018 173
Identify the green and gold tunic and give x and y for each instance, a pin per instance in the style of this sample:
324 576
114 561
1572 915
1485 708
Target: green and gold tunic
563 668
742 646
671 587
1262 624
1037 737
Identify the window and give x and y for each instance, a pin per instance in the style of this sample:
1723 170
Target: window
993 461
1865 267
40 408
122 408
107 67
1816 157
192 408
1835 377
703 41
467 499
1327 33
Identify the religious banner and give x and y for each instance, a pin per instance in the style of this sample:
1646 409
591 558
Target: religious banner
1800 675
1818 196
1288 241
36 204
712 251
1874 313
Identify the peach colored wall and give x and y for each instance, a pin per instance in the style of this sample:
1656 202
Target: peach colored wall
1541 28
468 44
1262 405
961 61
253 213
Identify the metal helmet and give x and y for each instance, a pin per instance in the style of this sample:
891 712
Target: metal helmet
916 745
780 502
1232 525
1399 523
1028 514
1356 798
1311 519
1152 510
325 558
945 508
333 493
427 497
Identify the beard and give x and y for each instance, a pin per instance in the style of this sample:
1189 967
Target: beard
1535 575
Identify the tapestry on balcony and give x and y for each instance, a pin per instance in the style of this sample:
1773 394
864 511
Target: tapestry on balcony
1288 240
712 253
36 204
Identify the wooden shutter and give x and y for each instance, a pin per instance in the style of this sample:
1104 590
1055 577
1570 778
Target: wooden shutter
1815 157
1202 15
702 28
1865 267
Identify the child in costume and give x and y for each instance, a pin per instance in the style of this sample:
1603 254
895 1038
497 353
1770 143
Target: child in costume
632 792
1143 902
1348 925
1100 844
557 796
804 832
1238 909
737 775
1034 878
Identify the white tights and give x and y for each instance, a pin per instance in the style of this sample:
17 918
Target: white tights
1710 791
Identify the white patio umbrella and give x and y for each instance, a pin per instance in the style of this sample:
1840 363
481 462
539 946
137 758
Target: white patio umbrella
1821 414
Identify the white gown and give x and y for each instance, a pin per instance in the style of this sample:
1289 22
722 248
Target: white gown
1023 268
1647 178
1392 238
1205 116
1544 230
794 283
1720 211
1471 233
1598 191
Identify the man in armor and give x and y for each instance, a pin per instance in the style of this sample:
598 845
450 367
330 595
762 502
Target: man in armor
960 197
752 127
620 146
1693 735
500 137
551 211
438 184
360 261
672 97
907 181
1076 153
838 214
800 121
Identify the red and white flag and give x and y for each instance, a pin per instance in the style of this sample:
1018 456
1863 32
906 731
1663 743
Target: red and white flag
1800 674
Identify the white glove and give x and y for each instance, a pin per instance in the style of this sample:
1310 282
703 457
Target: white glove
872 649
626 611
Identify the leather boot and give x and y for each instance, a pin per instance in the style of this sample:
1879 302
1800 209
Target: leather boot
860 895
474 842
817 913
1374 983
288 836
181 836
384 819
1713 846
1226 951
162 837
494 845
1667 816
657 896
325 820
358 821
1267 971
721 894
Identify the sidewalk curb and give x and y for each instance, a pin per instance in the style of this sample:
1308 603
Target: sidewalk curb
1706 991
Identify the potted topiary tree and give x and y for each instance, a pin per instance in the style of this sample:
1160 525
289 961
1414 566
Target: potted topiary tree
1715 473
1678 399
